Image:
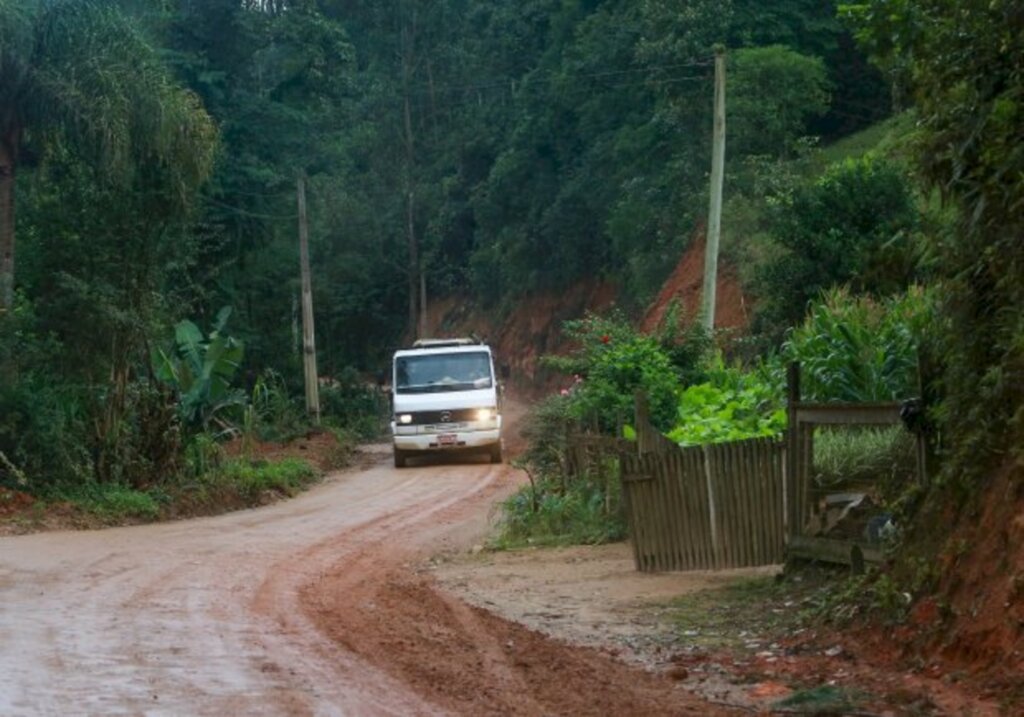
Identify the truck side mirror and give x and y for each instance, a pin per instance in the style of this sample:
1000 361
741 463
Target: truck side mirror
504 371
382 379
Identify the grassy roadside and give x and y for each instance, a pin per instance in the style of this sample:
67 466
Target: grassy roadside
266 473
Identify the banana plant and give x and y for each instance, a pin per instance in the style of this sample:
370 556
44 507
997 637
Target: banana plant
201 371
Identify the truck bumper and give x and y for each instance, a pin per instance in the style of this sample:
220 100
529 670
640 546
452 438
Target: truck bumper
463 440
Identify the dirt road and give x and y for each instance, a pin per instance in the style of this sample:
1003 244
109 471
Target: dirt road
312 606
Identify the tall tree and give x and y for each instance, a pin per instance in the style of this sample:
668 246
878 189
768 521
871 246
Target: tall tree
79 73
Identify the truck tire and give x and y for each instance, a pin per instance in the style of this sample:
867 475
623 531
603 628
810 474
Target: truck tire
496 453
400 458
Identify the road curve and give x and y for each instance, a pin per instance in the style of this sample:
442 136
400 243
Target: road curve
175 618
311 606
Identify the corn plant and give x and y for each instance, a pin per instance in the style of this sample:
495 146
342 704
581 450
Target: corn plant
855 348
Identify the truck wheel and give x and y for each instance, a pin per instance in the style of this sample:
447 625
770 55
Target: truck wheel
496 453
399 458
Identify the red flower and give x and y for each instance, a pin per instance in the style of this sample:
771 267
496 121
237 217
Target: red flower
605 339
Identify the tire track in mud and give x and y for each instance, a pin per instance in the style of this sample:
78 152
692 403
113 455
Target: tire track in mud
461 659
312 606
159 619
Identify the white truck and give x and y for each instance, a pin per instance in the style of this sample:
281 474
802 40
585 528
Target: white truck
445 396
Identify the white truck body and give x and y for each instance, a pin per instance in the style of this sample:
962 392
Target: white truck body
445 398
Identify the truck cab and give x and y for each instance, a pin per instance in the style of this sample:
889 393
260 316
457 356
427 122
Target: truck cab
445 397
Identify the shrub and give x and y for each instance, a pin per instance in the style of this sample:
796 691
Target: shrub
577 514
111 502
732 406
251 479
856 224
612 362
275 415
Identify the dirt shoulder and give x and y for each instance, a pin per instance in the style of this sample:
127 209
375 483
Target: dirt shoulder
740 638
589 595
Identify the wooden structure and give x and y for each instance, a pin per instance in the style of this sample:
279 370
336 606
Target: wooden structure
703 507
728 505
804 418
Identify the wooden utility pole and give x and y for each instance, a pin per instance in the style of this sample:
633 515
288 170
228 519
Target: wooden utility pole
308 335
715 209
423 303
408 63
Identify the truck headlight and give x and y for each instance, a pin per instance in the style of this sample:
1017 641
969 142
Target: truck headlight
405 418
485 414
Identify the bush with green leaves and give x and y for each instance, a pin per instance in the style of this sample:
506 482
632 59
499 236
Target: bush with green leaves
733 405
273 414
252 479
856 348
774 92
613 361
579 513
856 224
110 502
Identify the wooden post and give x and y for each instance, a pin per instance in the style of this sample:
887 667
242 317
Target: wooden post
308 334
715 208
712 509
789 485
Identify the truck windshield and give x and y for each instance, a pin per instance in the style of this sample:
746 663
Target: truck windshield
429 373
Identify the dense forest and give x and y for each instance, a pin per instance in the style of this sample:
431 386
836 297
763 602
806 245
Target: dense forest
152 150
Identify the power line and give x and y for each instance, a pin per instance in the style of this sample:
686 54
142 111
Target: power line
552 77
246 213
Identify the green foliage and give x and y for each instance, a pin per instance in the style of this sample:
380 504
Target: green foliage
732 406
251 480
773 93
577 514
824 699
352 405
612 363
545 431
880 457
274 414
963 64
854 225
203 370
854 348
112 503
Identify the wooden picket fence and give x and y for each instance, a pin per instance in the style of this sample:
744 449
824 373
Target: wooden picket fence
703 507
730 505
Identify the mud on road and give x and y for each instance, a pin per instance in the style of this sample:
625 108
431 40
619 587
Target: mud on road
312 606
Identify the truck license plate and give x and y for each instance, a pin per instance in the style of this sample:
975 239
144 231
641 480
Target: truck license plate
447 439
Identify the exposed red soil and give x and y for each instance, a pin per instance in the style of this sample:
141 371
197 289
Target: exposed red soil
13 502
972 630
686 285
470 661
985 583
963 648
377 606
532 330
320 448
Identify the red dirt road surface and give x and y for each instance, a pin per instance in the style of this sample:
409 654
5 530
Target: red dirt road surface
309 607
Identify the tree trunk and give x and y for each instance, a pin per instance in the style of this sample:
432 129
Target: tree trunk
8 163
